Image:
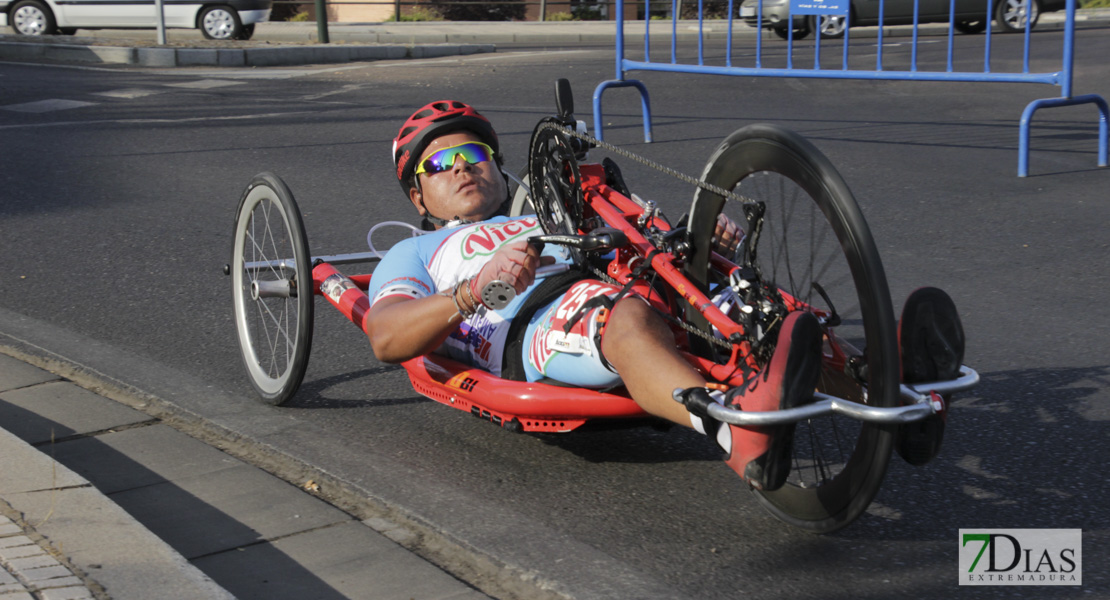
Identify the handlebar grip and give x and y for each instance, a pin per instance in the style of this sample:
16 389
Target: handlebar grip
497 294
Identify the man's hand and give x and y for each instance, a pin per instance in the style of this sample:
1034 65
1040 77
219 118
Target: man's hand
726 236
514 264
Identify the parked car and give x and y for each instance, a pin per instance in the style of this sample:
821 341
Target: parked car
216 19
970 15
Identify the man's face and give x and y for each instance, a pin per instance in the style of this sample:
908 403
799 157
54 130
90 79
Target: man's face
466 191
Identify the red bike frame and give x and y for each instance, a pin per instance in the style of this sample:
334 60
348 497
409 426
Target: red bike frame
524 406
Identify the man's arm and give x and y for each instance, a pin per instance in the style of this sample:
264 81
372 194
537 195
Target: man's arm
401 327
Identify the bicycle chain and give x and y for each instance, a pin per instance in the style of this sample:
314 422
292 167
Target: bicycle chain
603 276
594 142
728 195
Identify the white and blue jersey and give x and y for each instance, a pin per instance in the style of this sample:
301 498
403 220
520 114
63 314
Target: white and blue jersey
431 263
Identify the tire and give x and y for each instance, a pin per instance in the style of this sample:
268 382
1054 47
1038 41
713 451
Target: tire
830 26
971 27
246 33
1010 14
800 33
67 31
275 333
220 23
32 17
812 232
521 203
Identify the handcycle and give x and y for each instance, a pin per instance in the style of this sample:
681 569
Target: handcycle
806 247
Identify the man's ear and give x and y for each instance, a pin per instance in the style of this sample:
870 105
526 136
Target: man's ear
417 200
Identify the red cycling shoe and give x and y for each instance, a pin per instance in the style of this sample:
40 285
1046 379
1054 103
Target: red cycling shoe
761 455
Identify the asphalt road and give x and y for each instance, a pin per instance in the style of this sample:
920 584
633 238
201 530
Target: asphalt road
116 219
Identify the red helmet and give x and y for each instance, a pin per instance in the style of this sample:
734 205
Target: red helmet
430 122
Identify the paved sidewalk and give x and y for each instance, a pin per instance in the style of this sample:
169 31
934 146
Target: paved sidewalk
98 500
27 568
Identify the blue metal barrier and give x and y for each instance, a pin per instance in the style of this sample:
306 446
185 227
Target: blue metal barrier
1061 77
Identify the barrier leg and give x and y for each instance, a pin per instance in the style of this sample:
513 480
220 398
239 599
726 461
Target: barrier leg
645 104
1034 106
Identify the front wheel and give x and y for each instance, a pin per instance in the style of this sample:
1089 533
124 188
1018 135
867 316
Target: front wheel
830 26
809 241
1013 14
32 17
800 32
220 23
272 288
971 27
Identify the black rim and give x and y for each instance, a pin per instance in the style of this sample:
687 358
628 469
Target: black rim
813 233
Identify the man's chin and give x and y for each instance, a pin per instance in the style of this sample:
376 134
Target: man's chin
482 209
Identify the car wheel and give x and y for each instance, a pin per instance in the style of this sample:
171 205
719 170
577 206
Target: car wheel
971 26
830 26
32 17
248 31
1011 14
800 32
220 23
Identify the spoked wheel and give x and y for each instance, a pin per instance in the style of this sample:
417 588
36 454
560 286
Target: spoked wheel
831 26
815 246
556 183
1012 15
272 288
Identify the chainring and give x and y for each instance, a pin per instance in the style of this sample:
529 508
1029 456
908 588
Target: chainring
555 180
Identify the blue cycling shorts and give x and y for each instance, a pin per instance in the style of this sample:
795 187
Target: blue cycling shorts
572 357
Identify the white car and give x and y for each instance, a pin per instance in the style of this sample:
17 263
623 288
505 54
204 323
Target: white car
217 19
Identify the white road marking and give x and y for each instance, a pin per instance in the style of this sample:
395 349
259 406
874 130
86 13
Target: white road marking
44 106
204 84
281 115
343 90
469 58
252 72
217 78
129 93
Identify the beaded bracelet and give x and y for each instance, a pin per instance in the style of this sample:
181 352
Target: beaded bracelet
454 293
470 294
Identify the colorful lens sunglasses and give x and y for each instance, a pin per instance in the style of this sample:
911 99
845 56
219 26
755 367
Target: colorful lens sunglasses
444 160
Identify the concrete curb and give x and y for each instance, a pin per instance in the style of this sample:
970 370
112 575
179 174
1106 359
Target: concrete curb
307 54
129 519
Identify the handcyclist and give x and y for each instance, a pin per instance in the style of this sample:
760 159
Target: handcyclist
426 297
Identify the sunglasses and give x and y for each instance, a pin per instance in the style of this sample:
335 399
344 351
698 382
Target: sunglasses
444 160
